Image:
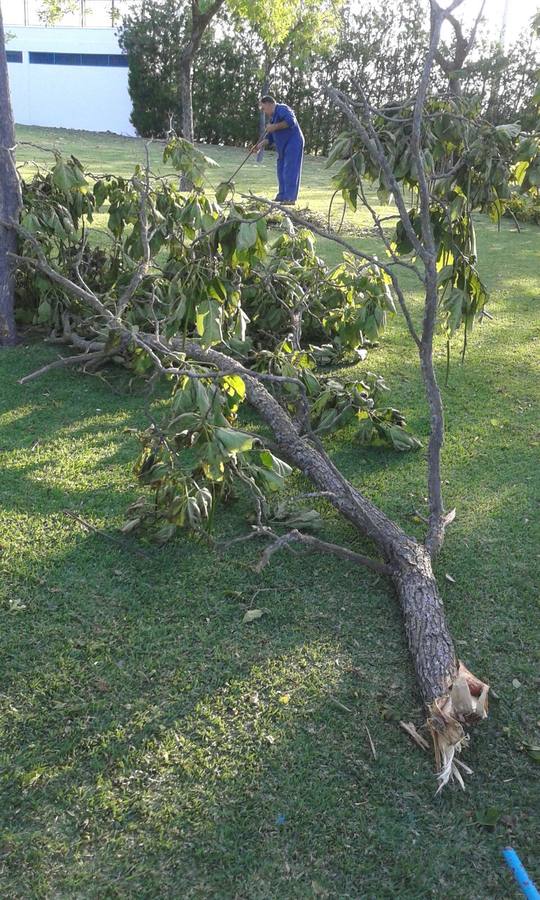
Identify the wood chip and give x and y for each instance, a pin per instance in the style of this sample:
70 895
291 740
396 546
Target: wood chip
414 734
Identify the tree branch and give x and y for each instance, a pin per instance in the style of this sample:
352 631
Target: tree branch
314 543
63 362
360 254
373 145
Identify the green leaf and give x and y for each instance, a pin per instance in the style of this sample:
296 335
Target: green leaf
101 192
533 750
488 817
209 322
223 190
43 312
401 440
62 176
232 441
262 230
247 235
234 384
272 462
31 223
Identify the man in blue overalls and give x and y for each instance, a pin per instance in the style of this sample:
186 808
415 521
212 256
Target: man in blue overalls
284 132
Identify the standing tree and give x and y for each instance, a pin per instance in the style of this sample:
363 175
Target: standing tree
276 20
52 11
10 202
152 36
452 66
199 18
310 29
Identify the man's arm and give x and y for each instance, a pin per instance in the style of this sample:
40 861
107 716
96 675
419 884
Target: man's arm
266 141
279 126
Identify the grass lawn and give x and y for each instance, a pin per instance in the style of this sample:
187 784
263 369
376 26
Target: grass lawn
153 746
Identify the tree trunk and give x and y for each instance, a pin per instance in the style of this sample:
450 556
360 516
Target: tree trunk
186 99
264 90
199 23
10 203
429 639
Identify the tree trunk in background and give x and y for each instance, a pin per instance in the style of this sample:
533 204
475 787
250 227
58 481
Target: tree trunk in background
199 23
265 87
452 68
10 203
185 77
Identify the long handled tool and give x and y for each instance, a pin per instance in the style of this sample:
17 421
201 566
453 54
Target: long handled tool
244 161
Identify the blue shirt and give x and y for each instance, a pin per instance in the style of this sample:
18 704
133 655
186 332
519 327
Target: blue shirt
293 132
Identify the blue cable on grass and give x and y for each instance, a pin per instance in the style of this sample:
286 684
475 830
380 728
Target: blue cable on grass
514 863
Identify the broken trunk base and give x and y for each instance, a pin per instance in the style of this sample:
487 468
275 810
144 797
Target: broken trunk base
465 704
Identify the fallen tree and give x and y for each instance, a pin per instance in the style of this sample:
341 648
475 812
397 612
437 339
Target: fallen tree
197 294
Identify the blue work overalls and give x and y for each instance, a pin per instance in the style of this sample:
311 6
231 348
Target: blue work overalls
289 143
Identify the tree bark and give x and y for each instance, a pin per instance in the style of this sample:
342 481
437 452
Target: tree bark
265 87
452 68
186 99
199 24
10 203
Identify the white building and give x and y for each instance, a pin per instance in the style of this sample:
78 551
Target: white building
70 75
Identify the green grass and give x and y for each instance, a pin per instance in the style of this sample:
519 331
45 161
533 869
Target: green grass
153 746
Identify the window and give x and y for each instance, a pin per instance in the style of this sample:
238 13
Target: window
14 55
116 60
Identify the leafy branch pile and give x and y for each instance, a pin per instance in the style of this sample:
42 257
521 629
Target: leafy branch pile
188 267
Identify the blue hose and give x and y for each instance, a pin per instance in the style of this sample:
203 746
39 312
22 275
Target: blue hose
514 863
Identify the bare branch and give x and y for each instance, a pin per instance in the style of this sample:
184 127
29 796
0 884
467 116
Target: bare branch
435 534
373 145
314 543
142 268
64 361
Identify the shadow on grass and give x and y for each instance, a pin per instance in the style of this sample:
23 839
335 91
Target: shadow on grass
154 746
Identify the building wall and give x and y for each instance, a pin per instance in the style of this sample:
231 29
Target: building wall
90 93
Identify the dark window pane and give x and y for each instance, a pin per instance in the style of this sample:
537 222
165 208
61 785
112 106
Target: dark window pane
14 55
44 59
118 59
95 59
67 59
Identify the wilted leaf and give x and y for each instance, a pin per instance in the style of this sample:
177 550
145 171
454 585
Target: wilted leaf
449 578
253 614
130 526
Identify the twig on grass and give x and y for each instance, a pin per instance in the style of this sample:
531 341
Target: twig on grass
105 534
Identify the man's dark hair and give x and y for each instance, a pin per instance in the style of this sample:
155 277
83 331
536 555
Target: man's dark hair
268 99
